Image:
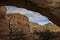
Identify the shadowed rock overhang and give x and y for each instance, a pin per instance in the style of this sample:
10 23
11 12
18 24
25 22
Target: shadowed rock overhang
41 6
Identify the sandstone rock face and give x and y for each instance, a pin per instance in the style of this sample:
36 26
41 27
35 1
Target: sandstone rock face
3 11
19 23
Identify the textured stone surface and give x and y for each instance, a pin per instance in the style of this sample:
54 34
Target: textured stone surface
19 22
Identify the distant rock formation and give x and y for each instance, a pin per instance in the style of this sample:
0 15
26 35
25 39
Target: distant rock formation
44 32
36 27
52 27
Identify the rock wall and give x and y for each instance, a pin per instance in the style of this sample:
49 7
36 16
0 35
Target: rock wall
4 29
19 22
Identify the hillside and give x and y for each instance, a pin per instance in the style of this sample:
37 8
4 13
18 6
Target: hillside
51 27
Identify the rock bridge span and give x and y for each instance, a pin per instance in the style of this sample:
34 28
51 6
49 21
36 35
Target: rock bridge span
48 8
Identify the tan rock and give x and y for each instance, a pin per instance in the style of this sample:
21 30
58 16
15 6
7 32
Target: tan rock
3 11
19 22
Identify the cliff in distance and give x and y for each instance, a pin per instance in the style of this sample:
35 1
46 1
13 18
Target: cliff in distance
50 26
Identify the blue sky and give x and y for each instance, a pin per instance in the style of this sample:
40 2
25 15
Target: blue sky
33 16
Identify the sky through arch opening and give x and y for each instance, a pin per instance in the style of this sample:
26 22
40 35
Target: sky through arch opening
33 16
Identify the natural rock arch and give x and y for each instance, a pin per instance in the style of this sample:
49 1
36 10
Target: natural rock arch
48 8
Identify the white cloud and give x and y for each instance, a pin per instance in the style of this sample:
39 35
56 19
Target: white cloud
30 14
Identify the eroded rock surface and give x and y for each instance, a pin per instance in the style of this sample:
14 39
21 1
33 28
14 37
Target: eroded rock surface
19 23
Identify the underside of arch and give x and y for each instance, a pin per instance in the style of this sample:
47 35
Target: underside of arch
51 12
